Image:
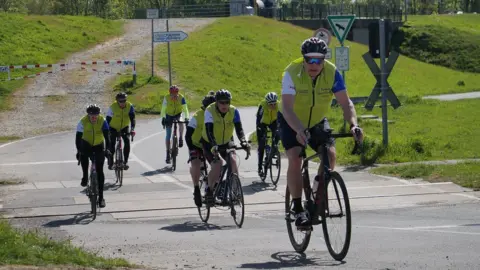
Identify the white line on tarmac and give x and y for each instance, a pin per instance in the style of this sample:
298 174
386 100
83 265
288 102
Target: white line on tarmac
150 168
44 162
422 229
31 138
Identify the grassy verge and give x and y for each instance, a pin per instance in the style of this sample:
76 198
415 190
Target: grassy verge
30 248
422 130
434 39
45 39
5 139
11 181
466 174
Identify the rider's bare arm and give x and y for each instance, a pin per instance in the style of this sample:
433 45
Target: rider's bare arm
238 126
341 94
288 99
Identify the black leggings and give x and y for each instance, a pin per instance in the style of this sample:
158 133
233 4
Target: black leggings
86 152
113 142
261 142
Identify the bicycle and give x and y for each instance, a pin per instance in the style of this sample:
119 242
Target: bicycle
92 187
229 189
174 148
118 164
203 184
271 153
318 206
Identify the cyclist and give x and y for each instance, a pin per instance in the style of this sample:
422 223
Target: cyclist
92 132
220 120
192 138
308 86
266 117
120 114
173 105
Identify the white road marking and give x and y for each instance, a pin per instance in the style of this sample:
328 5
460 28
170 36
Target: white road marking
422 229
31 138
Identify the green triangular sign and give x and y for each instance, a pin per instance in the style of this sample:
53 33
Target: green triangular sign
341 25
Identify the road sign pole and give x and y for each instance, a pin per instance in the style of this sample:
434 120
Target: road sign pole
152 48
383 82
169 62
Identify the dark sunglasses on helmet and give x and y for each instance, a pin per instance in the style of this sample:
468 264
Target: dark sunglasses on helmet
224 102
312 60
122 101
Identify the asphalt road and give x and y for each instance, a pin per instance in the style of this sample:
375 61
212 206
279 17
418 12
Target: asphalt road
152 220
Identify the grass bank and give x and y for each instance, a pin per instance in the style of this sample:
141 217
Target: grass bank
252 53
445 40
466 174
31 248
422 130
36 39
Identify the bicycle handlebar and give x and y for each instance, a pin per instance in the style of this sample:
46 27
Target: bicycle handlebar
339 135
231 147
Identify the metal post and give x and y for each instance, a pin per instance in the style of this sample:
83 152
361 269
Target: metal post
169 63
134 73
152 49
406 9
383 82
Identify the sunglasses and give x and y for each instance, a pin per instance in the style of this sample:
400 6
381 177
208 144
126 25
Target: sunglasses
122 101
224 102
311 60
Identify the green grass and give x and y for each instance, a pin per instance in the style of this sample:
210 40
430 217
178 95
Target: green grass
11 181
31 248
247 55
5 139
445 40
466 174
26 39
423 130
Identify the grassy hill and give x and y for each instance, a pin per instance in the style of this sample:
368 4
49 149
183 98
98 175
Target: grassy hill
46 39
247 55
451 41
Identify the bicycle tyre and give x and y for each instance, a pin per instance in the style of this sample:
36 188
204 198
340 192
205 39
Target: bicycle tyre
94 194
174 154
278 165
265 169
236 193
206 216
119 166
336 178
300 248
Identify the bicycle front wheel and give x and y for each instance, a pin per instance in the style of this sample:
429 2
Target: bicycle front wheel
94 194
304 236
174 153
204 210
119 166
275 166
236 198
337 219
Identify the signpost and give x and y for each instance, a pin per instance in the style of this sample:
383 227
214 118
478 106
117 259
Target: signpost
167 37
152 14
323 34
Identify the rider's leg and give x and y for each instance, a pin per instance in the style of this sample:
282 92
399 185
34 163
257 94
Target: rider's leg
126 148
99 162
85 153
111 147
195 173
215 170
167 138
180 129
261 145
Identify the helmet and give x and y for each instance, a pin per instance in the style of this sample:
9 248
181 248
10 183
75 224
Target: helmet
121 95
271 98
314 47
173 89
223 94
208 99
93 109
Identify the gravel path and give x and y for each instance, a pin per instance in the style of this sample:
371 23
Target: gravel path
56 102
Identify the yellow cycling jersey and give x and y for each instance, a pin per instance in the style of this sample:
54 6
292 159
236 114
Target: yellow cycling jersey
222 126
269 115
120 117
313 103
198 124
174 106
92 133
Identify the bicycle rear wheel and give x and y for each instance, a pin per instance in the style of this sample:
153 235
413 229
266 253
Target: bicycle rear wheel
236 197
93 194
337 210
301 246
119 166
275 161
204 210
174 153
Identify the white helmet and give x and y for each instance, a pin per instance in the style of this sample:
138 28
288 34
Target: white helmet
271 97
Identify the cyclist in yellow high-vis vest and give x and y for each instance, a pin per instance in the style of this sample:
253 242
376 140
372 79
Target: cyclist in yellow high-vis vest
120 115
192 138
266 118
92 133
308 86
173 106
221 119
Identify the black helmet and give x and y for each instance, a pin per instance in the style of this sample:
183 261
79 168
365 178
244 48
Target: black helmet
222 95
93 109
208 99
121 95
314 47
